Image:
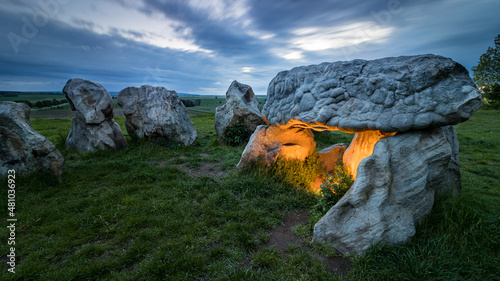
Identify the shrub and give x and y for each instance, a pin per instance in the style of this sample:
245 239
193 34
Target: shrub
331 190
297 172
492 94
237 134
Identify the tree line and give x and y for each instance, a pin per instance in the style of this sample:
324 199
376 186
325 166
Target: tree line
43 103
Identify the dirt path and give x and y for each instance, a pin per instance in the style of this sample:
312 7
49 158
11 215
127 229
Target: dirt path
282 236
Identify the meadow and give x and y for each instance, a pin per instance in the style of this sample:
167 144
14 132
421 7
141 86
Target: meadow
149 212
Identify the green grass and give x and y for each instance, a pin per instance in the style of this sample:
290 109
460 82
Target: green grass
118 215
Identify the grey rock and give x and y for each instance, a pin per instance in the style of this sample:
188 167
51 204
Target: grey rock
241 104
85 137
93 127
395 189
390 94
404 154
158 114
91 101
21 147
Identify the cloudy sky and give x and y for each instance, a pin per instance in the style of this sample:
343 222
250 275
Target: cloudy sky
200 46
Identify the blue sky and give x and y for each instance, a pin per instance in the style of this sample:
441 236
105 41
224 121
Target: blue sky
200 46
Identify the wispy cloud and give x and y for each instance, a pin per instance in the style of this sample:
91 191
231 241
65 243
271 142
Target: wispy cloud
323 38
129 21
222 9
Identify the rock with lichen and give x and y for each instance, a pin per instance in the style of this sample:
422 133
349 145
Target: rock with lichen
93 127
23 149
241 106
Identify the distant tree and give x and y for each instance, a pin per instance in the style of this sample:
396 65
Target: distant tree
8 94
26 102
188 103
197 102
487 74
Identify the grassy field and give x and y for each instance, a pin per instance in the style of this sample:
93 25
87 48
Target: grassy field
133 214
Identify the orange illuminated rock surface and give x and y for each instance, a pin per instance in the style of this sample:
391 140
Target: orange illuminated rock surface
361 147
331 156
269 141
294 140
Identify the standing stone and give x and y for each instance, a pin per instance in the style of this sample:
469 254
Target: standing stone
394 190
241 104
404 153
21 147
158 114
93 127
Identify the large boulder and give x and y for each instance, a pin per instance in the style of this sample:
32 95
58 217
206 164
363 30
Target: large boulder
395 189
404 152
22 148
93 127
391 94
241 105
158 114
